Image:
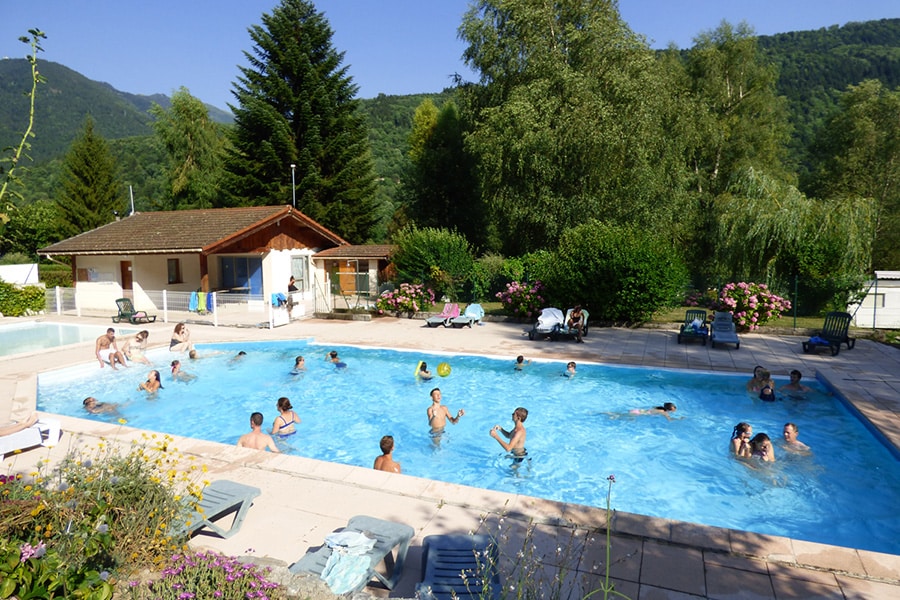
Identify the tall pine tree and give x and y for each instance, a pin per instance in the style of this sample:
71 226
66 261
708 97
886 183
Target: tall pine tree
296 106
89 183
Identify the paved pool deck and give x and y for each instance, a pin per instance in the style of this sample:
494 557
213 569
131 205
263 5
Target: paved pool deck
303 500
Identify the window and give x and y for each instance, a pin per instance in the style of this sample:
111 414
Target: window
300 271
174 270
241 274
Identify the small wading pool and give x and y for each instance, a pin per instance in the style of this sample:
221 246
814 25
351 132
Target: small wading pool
845 493
33 336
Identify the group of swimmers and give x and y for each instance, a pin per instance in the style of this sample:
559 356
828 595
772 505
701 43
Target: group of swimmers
283 426
763 384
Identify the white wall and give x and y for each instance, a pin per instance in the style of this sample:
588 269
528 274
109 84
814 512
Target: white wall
881 305
19 274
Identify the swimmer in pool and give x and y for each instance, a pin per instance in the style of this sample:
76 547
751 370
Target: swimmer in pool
570 369
791 443
256 439
424 373
237 357
333 357
665 410
284 422
95 408
299 365
521 362
386 461
761 448
438 414
153 383
740 440
795 387
516 435
179 375
761 378
767 394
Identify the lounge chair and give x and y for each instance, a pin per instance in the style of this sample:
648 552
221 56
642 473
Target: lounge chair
387 536
218 499
834 333
45 432
694 326
474 313
446 557
548 323
564 331
451 311
128 314
723 330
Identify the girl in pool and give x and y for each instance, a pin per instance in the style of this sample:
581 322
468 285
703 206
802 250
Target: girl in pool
761 448
179 375
284 422
134 347
299 365
153 383
424 373
761 378
740 439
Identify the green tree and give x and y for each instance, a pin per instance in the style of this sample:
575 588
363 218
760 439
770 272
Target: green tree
33 226
89 187
569 120
195 149
439 258
296 106
858 154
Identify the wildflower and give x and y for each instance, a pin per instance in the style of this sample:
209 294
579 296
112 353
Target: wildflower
28 551
104 575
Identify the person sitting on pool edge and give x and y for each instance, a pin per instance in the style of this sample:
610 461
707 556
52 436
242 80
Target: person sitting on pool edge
438 414
181 339
423 372
134 347
95 408
516 435
107 350
795 385
386 461
256 439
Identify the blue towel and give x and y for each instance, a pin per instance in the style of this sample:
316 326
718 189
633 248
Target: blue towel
209 303
817 340
348 566
192 305
279 299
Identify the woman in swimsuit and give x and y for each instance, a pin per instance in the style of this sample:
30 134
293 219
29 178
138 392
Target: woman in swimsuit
181 339
761 448
134 347
153 382
284 423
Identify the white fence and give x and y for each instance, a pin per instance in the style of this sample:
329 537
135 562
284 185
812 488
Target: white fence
216 309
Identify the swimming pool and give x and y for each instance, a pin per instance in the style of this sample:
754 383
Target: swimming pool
679 470
32 336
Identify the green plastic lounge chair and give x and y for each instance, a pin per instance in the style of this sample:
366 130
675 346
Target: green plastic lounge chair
128 314
45 432
446 557
690 329
834 333
387 536
722 330
474 313
451 311
221 498
564 331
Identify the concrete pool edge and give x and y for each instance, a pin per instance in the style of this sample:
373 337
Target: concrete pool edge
613 348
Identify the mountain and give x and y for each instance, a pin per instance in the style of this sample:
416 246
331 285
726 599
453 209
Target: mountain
63 102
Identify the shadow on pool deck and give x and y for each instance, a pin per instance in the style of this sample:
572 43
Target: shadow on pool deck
303 500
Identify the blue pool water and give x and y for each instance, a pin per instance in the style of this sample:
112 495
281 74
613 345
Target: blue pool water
678 469
32 336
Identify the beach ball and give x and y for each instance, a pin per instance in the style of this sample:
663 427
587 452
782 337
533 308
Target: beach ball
443 369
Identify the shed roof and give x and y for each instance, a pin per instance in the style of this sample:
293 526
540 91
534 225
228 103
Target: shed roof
362 251
181 231
887 274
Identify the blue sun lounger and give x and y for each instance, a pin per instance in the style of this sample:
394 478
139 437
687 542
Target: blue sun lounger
218 499
387 536
446 557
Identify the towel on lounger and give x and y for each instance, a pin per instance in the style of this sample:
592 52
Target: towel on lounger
349 563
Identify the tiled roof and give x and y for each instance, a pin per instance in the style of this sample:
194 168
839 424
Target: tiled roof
362 251
179 231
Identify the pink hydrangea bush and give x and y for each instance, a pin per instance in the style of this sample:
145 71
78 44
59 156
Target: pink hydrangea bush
522 300
408 298
751 304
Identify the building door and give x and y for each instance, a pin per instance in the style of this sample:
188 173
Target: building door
125 270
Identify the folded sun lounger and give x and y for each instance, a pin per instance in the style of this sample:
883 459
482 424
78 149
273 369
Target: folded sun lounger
386 534
445 558
222 498
45 432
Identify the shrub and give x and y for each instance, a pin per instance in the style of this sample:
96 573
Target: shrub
16 301
751 304
523 300
619 273
408 298
437 258
55 275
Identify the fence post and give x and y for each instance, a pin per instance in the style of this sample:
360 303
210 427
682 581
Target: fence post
165 307
796 292
58 300
215 311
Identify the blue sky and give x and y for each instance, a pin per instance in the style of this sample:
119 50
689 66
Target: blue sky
391 46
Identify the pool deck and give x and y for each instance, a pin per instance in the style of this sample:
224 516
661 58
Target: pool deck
303 500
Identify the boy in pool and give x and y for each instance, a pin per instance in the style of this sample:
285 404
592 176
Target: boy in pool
386 461
795 385
95 408
521 362
516 435
256 439
570 370
438 414
333 357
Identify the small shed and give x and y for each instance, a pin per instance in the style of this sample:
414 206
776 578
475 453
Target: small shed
880 309
354 275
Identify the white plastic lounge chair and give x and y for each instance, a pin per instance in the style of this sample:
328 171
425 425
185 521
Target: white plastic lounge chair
387 535
451 311
548 323
445 558
474 314
564 331
221 498
722 330
45 432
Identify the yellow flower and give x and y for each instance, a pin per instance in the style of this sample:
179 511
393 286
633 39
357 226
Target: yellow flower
122 421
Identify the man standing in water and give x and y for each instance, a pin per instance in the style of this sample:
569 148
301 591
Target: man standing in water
256 439
516 435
